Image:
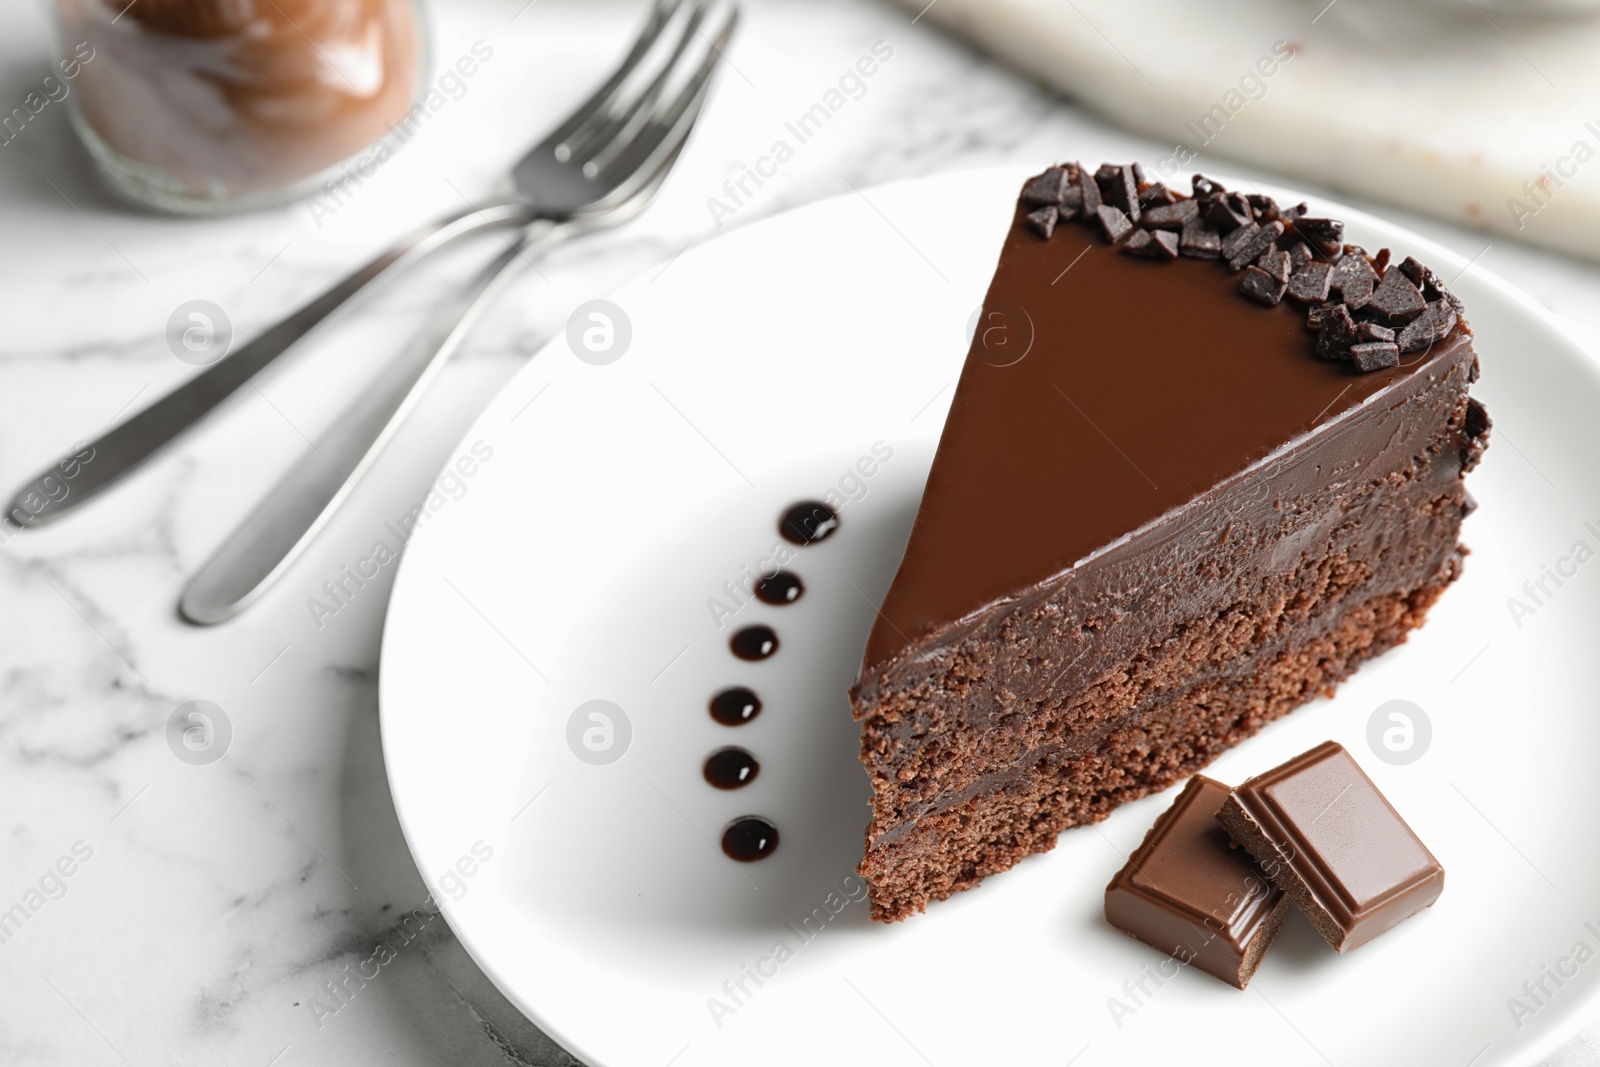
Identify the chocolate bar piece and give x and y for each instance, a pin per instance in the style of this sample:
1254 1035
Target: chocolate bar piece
1189 893
1326 836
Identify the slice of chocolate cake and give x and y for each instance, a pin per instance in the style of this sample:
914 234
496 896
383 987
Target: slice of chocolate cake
1203 460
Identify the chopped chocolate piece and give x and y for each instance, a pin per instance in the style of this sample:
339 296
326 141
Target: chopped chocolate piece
1044 220
1261 287
1415 271
1325 234
1353 278
1204 186
1289 214
1371 331
1239 239
1045 188
1276 263
1431 326
1172 216
1380 262
1309 284
1152 244
1338 333
1088 192
1119 189
1396 300
1225 218
1157 194
1114 225
1200 241
1253 245
1242 205
1186 891
1138 174
1262 205
1071 205
1326 836
1375 355
1299 256
1314 314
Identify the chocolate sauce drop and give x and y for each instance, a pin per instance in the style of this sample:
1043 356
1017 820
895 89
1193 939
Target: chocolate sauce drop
735 707
782 588
808 522
731 768
754 642
750 838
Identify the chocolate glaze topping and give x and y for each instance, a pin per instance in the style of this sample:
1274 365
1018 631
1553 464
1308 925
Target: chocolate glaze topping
1153 385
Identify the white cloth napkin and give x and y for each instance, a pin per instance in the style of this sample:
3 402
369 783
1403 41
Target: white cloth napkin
1456 108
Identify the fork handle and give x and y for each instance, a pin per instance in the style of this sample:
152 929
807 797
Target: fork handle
290 516
122 449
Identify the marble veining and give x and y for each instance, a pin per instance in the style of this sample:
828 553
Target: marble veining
263 909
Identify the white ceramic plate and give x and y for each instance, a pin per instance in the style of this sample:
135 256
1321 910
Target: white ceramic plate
576 564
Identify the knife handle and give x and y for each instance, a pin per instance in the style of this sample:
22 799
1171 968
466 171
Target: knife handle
93 467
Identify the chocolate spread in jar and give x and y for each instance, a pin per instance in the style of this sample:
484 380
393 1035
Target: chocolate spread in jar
226 99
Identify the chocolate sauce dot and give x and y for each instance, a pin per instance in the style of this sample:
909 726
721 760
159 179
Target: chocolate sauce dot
735 707
754 642
782 588
750 838
731 768
808 522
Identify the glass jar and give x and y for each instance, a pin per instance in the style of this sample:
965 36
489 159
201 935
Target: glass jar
201 106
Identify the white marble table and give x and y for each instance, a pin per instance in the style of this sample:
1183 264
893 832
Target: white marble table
219 905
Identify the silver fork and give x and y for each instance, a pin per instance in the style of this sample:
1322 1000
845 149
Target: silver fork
608 149
628 149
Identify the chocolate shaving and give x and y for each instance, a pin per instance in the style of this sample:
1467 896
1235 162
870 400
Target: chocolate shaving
1152 244
1324 234
1225 218
1174 216
1432 325
1338 333
1088 191
1354 278
1374 356
1261 287
1476 426
1119 188
1300 256
1114 225
1370 331
1157 195
1396 300
1253 245
1276 263
1309 284
1046 188
1200 241
1043 220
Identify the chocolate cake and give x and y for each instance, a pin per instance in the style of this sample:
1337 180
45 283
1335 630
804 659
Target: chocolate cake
1203 460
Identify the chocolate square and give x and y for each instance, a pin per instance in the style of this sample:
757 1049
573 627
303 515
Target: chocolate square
1330 840
1186 892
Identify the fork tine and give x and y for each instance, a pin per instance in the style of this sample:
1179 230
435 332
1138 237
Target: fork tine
595 138
661 12
633 155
